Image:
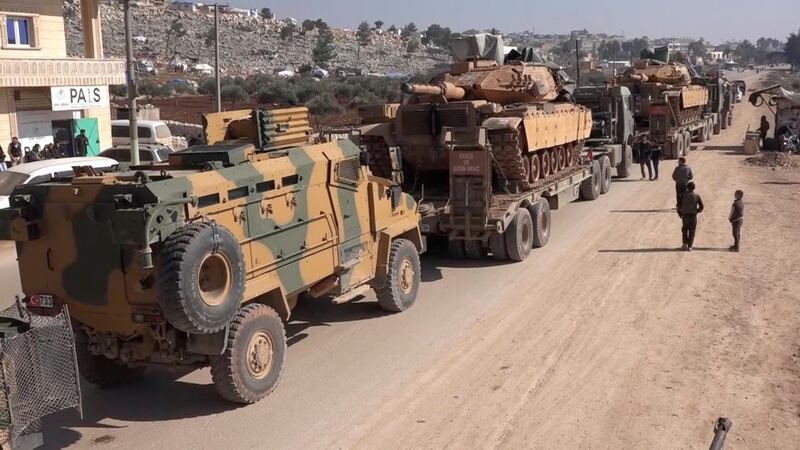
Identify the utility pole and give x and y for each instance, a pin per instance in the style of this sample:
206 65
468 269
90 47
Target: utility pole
132 91
216 57
577 62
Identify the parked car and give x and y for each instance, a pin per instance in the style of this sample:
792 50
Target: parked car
148 153
45 171
150 132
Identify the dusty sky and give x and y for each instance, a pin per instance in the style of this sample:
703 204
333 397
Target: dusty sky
737 19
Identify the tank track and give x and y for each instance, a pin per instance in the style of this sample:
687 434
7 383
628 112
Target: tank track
512 164
379 161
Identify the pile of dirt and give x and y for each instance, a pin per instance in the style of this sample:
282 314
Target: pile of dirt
775 160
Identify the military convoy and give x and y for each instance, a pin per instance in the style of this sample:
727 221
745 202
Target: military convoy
488 150
198 261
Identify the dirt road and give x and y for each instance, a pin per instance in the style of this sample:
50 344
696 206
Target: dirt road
609 337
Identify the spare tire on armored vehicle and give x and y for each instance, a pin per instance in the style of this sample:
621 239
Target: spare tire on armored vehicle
201 277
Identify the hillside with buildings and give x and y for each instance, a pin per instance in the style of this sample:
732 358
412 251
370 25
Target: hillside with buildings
250 41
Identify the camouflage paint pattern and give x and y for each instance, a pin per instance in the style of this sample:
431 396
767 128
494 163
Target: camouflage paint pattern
301 215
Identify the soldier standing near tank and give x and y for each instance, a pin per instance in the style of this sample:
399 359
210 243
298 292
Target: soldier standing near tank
689 207
682 175
656 155
736 218
643 156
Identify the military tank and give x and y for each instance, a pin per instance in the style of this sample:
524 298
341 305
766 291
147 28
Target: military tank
534 132
654 81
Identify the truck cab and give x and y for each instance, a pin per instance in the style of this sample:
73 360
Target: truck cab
613 124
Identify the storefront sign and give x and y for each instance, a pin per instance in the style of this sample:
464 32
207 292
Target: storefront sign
69 98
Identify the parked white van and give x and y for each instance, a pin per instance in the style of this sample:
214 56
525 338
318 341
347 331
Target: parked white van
150 132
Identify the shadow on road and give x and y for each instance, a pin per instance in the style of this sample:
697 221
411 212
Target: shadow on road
663 250
732 149
642 211
781 183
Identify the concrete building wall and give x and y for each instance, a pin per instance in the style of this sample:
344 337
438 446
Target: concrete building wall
47 18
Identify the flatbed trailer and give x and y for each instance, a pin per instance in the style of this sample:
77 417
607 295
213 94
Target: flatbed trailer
479 219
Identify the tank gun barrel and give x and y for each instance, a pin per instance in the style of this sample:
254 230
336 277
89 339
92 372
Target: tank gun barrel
445 89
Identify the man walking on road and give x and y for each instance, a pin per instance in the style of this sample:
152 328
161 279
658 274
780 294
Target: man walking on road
81 144
643 155
763 129
682 175
736 218
689 207
655 157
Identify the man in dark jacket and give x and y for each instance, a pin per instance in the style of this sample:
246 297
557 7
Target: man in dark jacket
643 156
690 206
736 218
81 144
763 129
682 175
15 151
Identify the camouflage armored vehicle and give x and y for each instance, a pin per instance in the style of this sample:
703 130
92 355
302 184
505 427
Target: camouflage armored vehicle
199 260
518 135
668 105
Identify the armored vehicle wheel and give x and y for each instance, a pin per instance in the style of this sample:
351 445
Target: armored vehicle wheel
590 187
709 128
497 244
456 249
553 155
474 249
718 127
201 277
723 122
605 171
252 363
545 160
536 168
399 291
559 153
687 143
101 371
624 167
540 215
519 236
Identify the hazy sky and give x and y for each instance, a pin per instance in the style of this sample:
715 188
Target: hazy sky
737 19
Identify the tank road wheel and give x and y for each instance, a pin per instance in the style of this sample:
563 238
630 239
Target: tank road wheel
559 154
536 168
624 167
519 236
590 187
497 243
201 277
545 159
718 126
252 363
540 215
552 154
399 291
605 172
474 249
101 371
455 247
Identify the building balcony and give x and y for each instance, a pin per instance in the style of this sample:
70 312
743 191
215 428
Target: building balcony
61 72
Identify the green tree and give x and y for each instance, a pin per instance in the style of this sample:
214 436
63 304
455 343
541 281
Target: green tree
438 35
323 51
408 31
288 31
698 48
792 50
233 93
413 45
364 34
392 29
378 24
175 32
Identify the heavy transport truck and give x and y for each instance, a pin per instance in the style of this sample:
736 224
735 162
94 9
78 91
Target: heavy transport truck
200 260
488 150
671 107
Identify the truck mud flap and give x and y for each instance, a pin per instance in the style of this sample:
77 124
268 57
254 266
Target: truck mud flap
39 373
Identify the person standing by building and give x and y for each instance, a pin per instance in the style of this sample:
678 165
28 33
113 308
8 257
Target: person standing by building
81 144
690 206
15 151
643 155
3 167
763 129
682 175
736 218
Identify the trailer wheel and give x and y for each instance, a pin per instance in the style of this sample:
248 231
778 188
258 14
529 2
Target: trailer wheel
624 166
474 249
497 243
201 277
701 135
540 215
519 236
455 247
709 128
399 291
718 127
730 119
252 364
590 187
605 172
687 142
101 371
723 122
677 147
